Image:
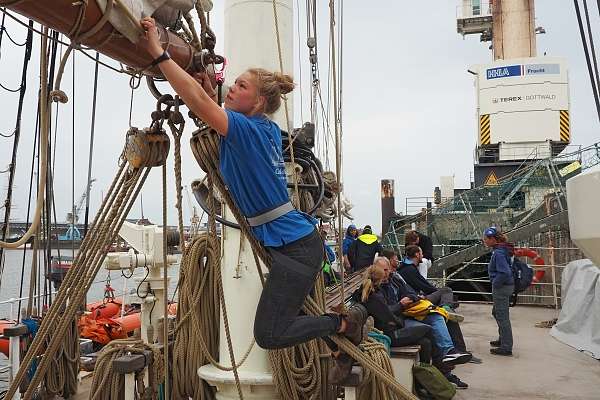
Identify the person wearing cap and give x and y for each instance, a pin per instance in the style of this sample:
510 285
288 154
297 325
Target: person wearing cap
503 286
351 235
363 250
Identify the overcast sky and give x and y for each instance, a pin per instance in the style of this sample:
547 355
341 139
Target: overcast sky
408 105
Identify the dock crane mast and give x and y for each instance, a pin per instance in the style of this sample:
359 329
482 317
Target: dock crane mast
73 216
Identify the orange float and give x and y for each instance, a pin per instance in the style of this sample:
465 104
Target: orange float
537 260
104 329
4 345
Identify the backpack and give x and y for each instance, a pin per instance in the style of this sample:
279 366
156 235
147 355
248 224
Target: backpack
433 381
522 273
423 308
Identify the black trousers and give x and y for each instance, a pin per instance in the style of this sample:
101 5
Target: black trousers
294 268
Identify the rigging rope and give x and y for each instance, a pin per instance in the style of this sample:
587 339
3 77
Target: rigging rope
44 151
296 197
91 151
109 219
587 58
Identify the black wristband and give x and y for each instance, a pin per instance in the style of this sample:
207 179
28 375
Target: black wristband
163 57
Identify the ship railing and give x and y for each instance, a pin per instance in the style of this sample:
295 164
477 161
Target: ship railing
544 293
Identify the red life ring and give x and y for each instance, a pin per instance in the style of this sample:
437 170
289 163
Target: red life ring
537 260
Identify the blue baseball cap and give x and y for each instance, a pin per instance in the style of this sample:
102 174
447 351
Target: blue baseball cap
492 231
351 227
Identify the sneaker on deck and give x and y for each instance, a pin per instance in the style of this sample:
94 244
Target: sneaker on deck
456 317
497 351
455 357
456 382
495 343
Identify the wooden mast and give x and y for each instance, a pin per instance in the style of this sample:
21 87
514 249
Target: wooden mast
61 15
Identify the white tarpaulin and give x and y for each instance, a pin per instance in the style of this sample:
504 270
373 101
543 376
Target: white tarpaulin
578 324
165 11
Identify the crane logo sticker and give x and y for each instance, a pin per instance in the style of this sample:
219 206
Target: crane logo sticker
508 71
504 72
491 180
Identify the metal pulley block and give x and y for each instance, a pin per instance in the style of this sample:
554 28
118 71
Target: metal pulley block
146 147
205 147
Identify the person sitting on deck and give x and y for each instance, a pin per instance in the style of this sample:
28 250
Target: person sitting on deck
399 295
363 250
398 287
388 321
443 297
252 166
426 244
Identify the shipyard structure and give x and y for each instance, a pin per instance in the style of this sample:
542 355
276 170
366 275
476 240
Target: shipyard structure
521 161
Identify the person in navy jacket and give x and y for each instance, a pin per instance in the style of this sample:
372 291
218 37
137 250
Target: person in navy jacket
503 287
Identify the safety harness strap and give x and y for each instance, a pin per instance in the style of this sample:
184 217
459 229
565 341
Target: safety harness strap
270 215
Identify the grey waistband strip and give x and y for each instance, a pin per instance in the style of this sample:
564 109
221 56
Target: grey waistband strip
270 215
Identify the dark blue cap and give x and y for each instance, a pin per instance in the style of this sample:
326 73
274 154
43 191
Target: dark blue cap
492 231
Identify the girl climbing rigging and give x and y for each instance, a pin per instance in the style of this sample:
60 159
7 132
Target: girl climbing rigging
252 166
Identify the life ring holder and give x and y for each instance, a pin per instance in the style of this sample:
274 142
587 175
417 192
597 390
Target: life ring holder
537 260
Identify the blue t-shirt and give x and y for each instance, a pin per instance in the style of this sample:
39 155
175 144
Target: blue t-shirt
254 171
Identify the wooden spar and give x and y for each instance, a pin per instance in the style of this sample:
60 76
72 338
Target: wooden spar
61 15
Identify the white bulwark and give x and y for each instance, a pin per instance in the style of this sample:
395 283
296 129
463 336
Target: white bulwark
523 106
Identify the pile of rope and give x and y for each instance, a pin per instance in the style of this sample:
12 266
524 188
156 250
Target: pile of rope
372 387
197 329
109 385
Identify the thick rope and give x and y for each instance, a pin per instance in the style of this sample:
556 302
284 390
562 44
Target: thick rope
371 386
110 385
165 281
338 148
197 329
61 378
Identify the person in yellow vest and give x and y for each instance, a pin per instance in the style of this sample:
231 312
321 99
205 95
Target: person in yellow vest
363 250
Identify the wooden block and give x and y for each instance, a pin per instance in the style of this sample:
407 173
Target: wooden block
15 330
132 362
355 378
405 351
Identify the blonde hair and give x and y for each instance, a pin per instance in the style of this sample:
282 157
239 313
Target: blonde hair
272 86
372 281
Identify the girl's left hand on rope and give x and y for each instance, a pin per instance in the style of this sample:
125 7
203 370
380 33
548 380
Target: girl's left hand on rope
151 41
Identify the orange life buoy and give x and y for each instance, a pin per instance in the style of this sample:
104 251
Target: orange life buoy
537 260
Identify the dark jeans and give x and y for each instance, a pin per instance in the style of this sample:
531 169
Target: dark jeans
294 269
456 335
443 296
417 334
501 297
